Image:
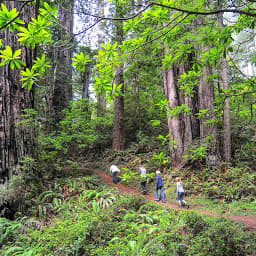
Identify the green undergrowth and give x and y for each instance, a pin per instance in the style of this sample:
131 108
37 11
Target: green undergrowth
200 202
92 219
227 190
228 184
213 196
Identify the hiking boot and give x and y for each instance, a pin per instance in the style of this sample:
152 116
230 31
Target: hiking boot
144 192
187 206
164 201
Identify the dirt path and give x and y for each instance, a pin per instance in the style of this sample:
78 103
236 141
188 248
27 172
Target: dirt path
250 221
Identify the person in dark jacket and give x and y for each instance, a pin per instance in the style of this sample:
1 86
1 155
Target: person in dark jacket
159 185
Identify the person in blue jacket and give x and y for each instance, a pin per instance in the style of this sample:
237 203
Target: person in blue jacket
159 185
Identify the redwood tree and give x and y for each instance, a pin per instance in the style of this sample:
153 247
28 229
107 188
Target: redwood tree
183 127
225 83
101 101
16 140
62 92
118 126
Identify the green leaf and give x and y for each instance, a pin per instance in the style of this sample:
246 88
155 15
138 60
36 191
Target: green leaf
11 58
17 53
81 61
37 32
155 122
29 78
9 17
13 250
41 65
12 66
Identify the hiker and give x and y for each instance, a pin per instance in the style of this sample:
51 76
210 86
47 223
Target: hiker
114 169
159 185
180 193
143 177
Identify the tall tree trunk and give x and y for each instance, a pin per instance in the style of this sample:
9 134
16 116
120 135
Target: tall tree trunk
118 126
227 119
16 141
49 117
183 128
62 92
225 82
174 122
85 78
101 101
206 102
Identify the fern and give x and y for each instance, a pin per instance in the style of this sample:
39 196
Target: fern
48 196
9 230
90 194
16 250
19 250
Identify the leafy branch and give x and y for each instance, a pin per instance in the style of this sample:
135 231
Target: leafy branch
5 11
12 58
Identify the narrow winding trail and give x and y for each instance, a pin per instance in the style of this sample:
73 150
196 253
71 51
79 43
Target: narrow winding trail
250 221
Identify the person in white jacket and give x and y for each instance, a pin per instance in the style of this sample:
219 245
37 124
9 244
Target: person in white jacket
180 193
143 178
114 170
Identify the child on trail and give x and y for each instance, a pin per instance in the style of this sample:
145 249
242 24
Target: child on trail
143 178
159 185
180 193
114 169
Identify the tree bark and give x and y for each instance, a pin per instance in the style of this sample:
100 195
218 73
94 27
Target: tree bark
118 126
101 101
225 82
85 78
16 140
174 123
183 128
50 123
62 92
206 102
227 119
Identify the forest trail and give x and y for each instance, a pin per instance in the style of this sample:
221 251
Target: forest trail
250 221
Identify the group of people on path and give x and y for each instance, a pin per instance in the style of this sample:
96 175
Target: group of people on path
158 186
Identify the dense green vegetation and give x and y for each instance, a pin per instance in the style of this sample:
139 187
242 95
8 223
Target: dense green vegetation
167 84
80 217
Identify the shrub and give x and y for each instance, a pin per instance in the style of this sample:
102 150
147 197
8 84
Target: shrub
223 238
131 202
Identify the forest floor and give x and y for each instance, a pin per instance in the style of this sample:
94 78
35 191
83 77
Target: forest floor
250 221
